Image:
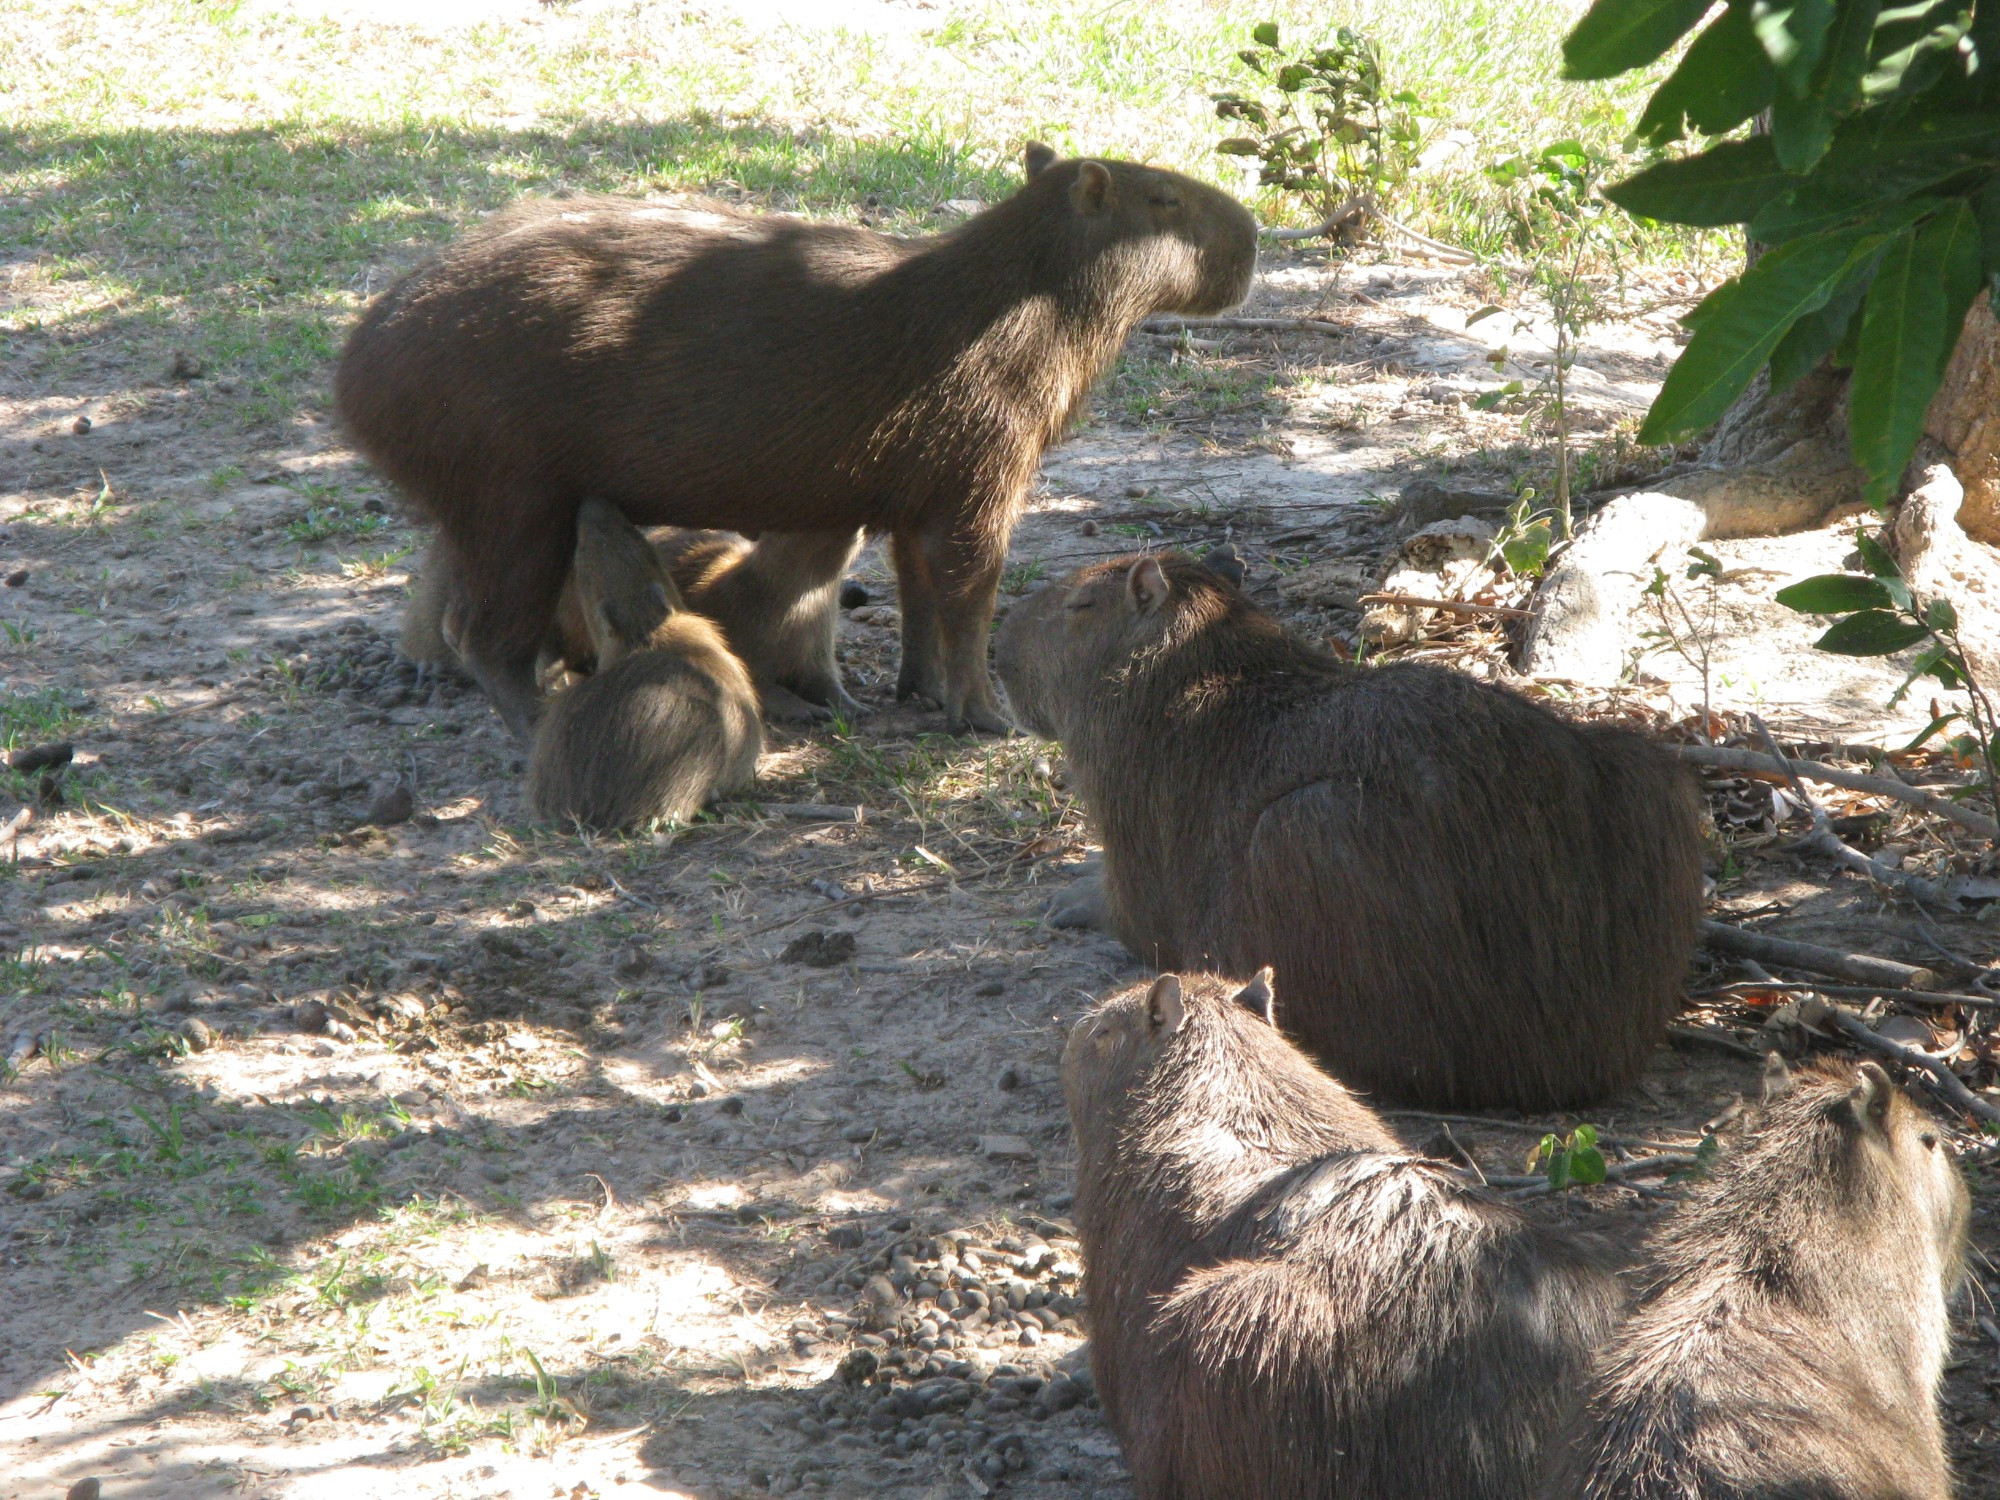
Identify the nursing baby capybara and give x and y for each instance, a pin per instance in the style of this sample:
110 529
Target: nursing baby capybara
700 367
669 719
1285 1304
775 598
1469 901
1795 1331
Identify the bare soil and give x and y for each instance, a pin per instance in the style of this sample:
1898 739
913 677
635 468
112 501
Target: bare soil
351 1155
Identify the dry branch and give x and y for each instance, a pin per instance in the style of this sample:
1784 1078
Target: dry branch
1726 758
1857 992
1253 325
1862 968
1935 1069
1455 606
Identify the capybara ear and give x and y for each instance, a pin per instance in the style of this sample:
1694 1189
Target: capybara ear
1092 188
1146 585
1777 1077
1164 1008
1038 159
1259 998
1870 1098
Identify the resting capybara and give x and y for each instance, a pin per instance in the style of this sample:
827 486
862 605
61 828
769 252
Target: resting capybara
1469 901
1284 1302
668 720
1791 1342
700 367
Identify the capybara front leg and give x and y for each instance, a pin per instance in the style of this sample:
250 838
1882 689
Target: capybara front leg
971 571
922 673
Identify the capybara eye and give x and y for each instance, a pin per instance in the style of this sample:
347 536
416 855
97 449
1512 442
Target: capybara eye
1930 1141
1166 202
1078 603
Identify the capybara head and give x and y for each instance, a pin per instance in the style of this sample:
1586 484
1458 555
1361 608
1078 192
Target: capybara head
1060 645
622 587
1192 246
1191 1063
1844 1142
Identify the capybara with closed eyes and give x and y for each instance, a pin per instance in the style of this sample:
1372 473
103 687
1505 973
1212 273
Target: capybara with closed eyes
1285 1304
1795 1329
700 367
1468 900
669 719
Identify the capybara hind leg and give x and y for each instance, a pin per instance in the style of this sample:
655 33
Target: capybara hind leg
922 672
784 706
509 593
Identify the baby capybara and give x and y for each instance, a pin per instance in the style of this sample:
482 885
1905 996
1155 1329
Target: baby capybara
669 719
1469 901
700 367
1792 1340
776 600
1285 1304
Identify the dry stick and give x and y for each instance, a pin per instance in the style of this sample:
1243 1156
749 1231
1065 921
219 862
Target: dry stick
1857 992
1725 758
1339 218
1253 325
1456 606
1862 968
1823 840
1666 1161
1942 1078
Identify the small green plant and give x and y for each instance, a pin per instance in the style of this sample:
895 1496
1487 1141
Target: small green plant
1562 221
1024 576
1569 1160
1688 633
1324 125
1525 536
323 522
1879 616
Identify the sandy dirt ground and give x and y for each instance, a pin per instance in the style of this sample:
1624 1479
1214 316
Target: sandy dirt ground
351 1148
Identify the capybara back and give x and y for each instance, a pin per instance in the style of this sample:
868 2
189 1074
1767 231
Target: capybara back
1469 901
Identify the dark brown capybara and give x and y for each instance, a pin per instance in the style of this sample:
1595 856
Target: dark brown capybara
1284 1302
669 719
1794 1332
700 367
1469 901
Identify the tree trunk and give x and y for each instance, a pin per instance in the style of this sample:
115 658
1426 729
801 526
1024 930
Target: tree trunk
1779 463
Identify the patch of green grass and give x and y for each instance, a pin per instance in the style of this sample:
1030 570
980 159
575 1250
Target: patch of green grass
38 717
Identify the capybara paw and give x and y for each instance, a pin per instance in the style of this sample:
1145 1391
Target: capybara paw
979 718
784 706
908 687
1082 905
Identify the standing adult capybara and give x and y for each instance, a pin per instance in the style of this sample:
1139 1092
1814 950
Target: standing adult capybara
1469 901
668 720
700 367
1795 1331
1284 1303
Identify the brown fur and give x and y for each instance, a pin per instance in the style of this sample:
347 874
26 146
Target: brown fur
1469 901
1792 1342
703 368
1284 1303
669 719
422 637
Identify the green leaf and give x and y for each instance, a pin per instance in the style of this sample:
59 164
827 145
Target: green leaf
1726 184
1818 334
1833 594
1802 122
1238 145
1932 728
1724 79
1709 305
1939 615
1292 77
1616 36
1488 311
1911 46
1908 330
1586 1166
1876 559
1736 339
1872 632
1792 34
1492 398
1989 227
1265 33
1527 552
1933 660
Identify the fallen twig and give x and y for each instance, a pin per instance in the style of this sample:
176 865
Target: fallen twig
1728 758
1942 1079
813 812
1456 606
1618 1171
1858 992
1709 1036
1252 325
1862 968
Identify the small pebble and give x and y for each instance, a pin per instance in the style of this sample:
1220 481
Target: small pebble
392 805
199 1035
84 1489
80 426
1088 528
